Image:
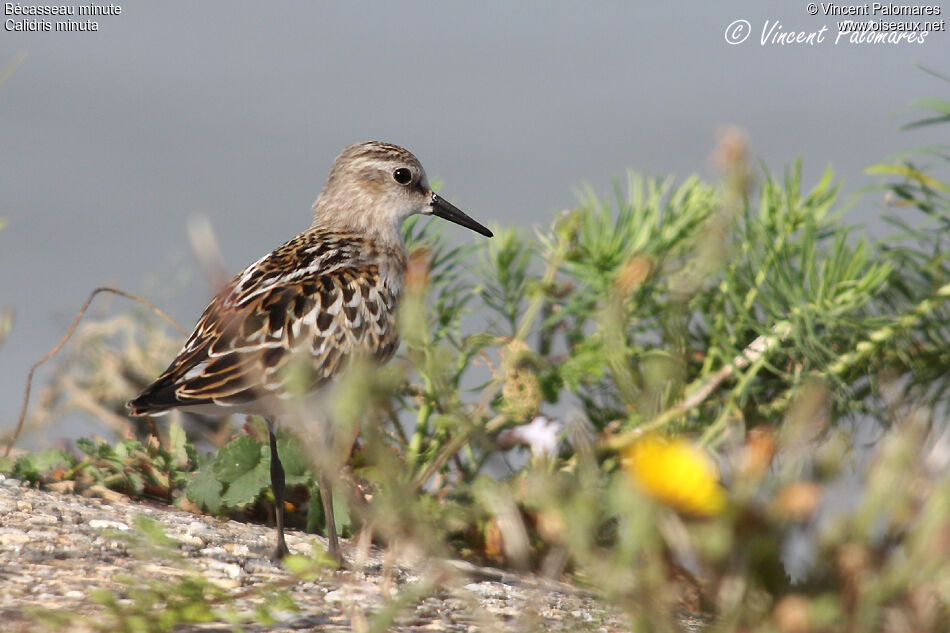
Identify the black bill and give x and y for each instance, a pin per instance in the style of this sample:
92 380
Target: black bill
452 213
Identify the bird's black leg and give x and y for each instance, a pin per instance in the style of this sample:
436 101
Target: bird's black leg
277 485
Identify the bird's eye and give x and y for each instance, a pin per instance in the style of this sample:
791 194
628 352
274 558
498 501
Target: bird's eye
403 176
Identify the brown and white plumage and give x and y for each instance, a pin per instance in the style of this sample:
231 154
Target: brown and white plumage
328 295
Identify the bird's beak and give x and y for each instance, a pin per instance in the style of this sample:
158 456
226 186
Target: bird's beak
452 213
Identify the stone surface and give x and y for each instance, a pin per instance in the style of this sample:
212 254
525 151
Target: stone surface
56 549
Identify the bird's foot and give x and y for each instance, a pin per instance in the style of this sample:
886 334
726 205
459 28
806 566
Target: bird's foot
336 556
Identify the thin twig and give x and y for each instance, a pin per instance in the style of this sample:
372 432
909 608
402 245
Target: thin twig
871 344
62 342
753 352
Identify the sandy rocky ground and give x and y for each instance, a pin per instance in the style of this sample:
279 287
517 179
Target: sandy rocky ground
55 548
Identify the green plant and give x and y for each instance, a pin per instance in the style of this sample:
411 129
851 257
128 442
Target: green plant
127 466
746 316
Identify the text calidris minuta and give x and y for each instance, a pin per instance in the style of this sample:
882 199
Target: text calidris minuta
329 294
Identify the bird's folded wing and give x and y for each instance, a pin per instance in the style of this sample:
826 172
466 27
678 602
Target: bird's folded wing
250 332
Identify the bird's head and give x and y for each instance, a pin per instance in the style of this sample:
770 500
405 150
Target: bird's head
373 187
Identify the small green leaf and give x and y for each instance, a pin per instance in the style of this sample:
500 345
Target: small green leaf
108 453
153 531
295 462
908 172
34 465
297 565
309 567
245 488
136 481
244 465
237 458
341 512
86 445
204 489
584 365
314 511
123 449
177 444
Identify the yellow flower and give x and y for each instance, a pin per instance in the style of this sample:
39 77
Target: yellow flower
676 473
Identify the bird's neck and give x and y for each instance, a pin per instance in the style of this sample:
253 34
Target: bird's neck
383 232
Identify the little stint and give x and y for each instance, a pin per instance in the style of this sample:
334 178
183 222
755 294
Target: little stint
329 295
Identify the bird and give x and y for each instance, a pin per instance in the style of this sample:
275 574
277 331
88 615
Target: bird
328 295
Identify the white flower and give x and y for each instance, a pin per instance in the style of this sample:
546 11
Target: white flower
540 435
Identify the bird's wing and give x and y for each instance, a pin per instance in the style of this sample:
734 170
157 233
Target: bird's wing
268 315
